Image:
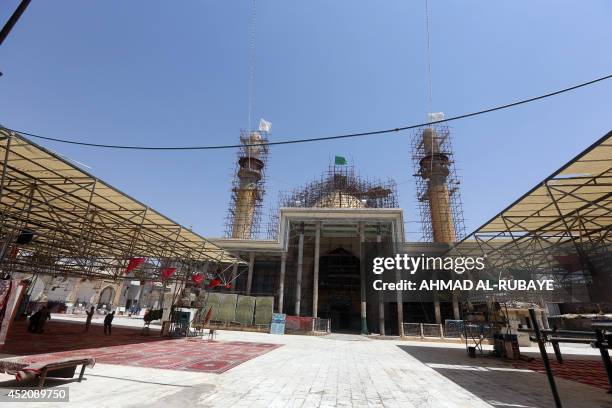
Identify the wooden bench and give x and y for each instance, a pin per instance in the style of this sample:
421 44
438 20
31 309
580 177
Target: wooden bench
62 370
23 369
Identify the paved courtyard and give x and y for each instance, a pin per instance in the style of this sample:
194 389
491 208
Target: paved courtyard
334 370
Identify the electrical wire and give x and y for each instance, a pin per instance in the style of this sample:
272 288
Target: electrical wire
324 138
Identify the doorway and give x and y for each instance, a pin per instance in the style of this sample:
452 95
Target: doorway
340 290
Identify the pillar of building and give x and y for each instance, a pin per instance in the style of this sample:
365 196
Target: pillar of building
456 313
281 284
141 293
234 275
315 275
381 305
362 273
437 307
249 284
118 293
97 288
300 267
400 308
47 281
71 298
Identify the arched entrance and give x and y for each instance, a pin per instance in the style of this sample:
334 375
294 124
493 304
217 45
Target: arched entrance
106 298
339 290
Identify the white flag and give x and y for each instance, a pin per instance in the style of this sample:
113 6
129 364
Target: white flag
265 126
436 116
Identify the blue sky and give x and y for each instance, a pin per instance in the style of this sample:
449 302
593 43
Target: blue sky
160 73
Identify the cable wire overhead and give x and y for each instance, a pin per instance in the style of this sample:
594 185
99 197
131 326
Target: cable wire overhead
323 138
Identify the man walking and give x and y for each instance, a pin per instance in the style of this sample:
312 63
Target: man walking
89 317
108 320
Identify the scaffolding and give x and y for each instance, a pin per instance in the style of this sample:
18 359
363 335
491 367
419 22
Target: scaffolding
338 187
437 185
244 214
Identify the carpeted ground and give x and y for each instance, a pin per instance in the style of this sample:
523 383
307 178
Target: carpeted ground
590 372
127 346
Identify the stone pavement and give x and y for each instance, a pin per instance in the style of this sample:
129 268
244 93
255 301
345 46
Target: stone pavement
328 371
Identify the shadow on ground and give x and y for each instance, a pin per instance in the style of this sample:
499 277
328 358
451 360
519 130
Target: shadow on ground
498 383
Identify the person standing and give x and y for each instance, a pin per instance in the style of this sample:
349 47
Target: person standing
108 321
44 316
89 317
34 318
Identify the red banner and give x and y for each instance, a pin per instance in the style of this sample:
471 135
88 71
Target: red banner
133 264
166 273
197 278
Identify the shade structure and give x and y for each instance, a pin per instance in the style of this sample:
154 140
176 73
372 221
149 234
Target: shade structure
79 224
571 208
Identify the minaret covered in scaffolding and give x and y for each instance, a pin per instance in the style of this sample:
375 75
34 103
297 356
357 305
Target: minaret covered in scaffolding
244 214
437 185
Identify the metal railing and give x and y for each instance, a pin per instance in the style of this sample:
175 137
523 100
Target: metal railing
432 330
321 325
451 329
413 329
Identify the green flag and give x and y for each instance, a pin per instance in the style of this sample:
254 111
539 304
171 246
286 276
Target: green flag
339 161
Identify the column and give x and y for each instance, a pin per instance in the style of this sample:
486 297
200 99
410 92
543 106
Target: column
400 311
71 298
300 267
437 307
381 304
315 276
281 284
234 275
47 280
456 313
250 273
362 273
141 292
118 293
398 278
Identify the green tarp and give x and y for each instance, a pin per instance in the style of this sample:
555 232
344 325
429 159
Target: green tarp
224 306
245 310
245 306
263 310
227 310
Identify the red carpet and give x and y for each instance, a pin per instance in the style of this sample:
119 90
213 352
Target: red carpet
126 346
590 372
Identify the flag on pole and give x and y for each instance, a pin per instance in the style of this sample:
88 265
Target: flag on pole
435 116
340 161
265 126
